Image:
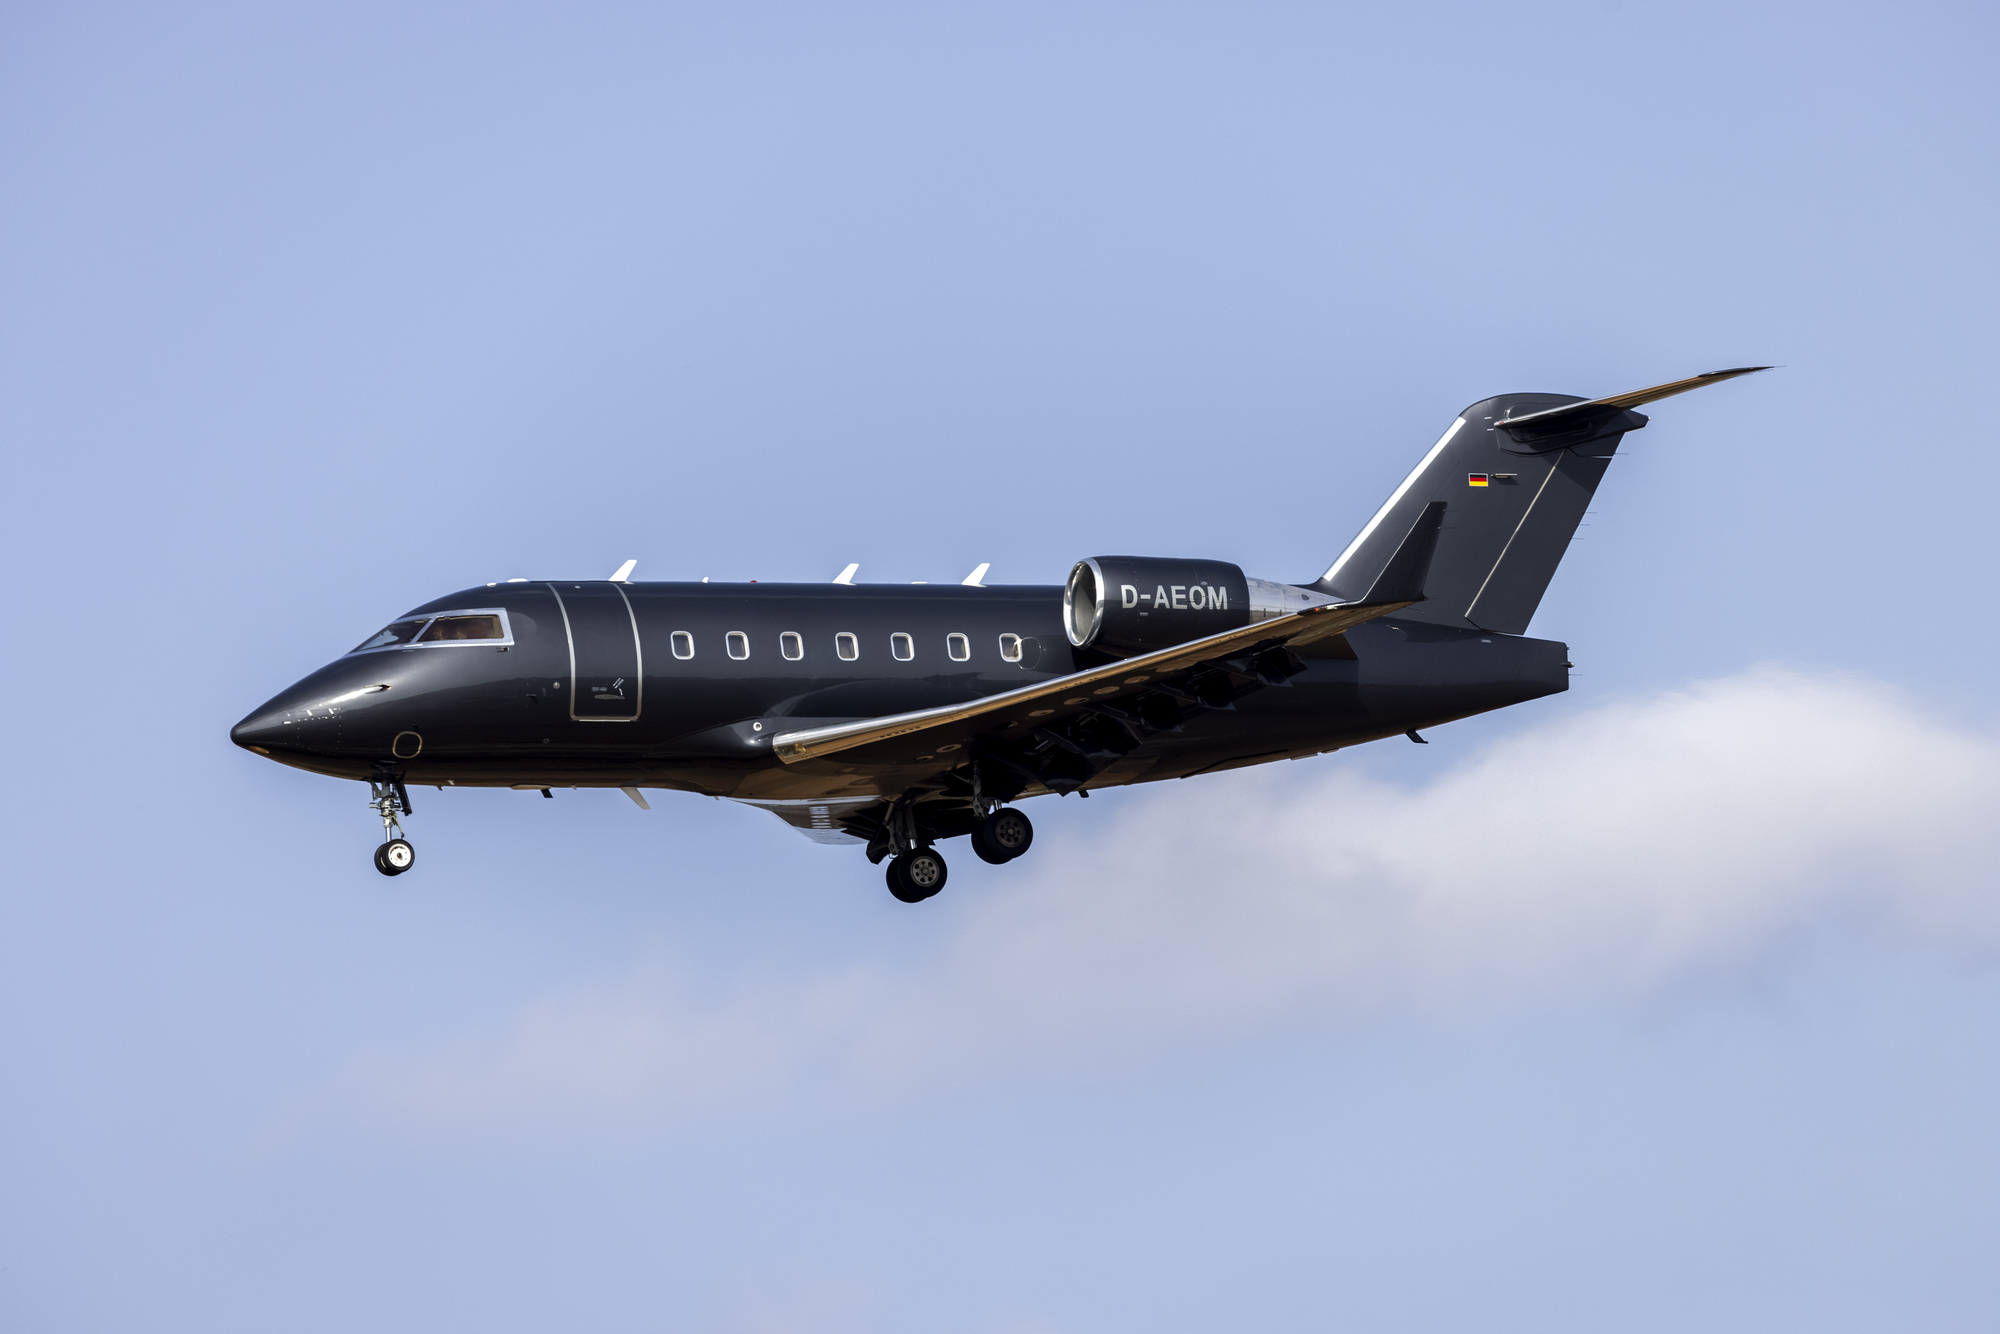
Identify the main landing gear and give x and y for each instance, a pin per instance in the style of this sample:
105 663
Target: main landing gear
915 876
916 873
1002 836
390 798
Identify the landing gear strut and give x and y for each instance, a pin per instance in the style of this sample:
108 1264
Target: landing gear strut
389 799
916 871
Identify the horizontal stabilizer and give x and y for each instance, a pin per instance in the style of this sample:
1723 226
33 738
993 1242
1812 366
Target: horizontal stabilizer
1555 427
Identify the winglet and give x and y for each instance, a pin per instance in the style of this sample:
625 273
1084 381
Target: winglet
1402 579
973 580
624 572
846 576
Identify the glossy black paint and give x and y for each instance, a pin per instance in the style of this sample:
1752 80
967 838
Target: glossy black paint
520 715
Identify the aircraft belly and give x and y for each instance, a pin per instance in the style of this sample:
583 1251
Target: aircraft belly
787 783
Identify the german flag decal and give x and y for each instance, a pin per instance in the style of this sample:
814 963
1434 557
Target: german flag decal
1475 479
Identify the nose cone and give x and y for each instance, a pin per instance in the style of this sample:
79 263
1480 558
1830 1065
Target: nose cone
281 725
306 718
261 731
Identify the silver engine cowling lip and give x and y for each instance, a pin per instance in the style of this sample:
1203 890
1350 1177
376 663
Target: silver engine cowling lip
1070 607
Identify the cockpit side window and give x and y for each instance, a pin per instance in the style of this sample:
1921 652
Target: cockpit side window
475 625
402 632
446 628
463 629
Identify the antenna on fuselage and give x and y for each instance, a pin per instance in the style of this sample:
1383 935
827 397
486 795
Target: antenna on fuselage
972 580
846 576
624 572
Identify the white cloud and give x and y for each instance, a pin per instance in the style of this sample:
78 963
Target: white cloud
1606 851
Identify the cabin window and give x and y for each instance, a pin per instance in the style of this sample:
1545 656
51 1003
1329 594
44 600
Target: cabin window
683 643
847 646
902 647
447 628
402 632
1010 647
792 645
739 644
958 646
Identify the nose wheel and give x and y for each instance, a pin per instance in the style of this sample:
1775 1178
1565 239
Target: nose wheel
389 798
395 857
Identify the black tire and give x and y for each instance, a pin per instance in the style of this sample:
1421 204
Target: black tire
984 850
395 857
916 876
1003 836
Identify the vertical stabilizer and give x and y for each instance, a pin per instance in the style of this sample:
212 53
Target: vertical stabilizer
1515 474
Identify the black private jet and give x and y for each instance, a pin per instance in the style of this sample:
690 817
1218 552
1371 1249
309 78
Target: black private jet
894 717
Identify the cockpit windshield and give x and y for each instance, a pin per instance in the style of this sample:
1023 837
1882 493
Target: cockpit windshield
462 627
402 632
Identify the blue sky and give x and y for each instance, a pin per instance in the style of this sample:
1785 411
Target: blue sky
1669 1003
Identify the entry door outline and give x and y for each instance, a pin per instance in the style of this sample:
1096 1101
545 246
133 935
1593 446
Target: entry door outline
638 657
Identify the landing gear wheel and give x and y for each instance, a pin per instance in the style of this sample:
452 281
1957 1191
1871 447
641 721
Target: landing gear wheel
1002 836
915 876
388 798
395 857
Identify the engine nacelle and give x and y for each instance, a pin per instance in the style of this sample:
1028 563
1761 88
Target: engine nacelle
1124 605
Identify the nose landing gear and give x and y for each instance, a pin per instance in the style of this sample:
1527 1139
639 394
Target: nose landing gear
389 798
395 857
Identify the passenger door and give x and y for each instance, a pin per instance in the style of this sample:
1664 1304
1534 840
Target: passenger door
605 666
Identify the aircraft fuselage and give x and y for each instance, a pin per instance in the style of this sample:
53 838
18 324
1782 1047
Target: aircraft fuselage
685 685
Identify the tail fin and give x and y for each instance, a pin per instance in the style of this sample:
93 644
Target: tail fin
1515 474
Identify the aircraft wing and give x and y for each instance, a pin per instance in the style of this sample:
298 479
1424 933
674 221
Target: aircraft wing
1060 734
1257 650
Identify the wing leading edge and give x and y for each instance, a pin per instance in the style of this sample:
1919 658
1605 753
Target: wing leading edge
1299 627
